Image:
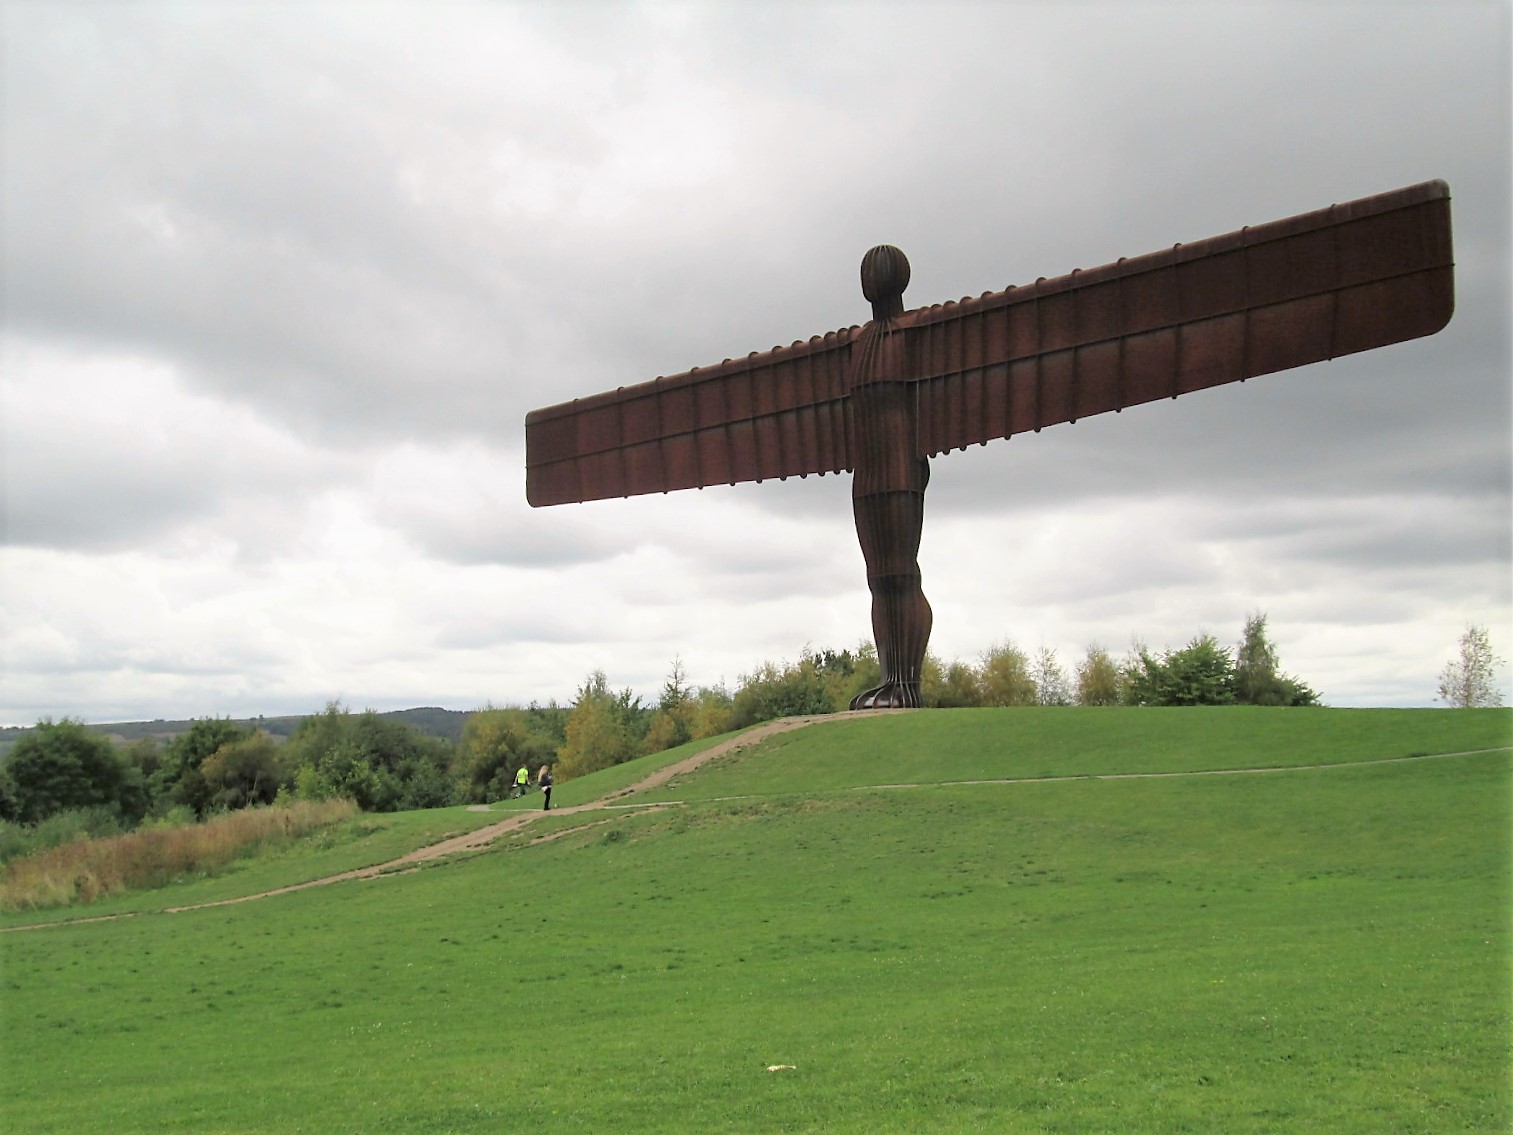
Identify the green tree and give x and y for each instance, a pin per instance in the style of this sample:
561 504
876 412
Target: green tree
60 765
382 764
343 772
1258 679
668 729
147 756
10 807
495 744
672 723
1005 676
244 772
1140 676
549 721
1098 678
676 692
178 779
1469 680
331 761
1201 673
411 766
317 735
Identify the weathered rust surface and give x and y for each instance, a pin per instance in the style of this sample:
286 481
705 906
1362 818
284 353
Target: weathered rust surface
1264 299
1317 286
780 413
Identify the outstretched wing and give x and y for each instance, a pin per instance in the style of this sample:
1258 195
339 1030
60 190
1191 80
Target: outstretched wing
1344 279
780 413
1312 287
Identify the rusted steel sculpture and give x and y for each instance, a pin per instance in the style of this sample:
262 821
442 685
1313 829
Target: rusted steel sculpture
882 399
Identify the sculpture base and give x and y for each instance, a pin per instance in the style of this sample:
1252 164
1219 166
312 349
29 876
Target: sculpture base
890 695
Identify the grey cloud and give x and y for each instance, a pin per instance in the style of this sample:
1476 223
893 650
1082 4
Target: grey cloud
502 537
106 454
303 261
1378 534
384 226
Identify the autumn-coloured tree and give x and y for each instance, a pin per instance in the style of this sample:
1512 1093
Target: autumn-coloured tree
1098 679
603 729
1005 676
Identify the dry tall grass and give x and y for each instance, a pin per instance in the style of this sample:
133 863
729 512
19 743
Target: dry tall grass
86 870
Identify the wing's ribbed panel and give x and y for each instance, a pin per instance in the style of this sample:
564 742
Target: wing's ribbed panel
780 413
1317 286
1312 287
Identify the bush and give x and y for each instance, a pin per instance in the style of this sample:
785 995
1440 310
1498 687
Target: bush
1201 673
17 840
179 816
383 765
84 870
817 683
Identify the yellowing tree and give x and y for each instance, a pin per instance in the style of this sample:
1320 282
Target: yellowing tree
1005 676
1098 680
709 713
950 687
603 729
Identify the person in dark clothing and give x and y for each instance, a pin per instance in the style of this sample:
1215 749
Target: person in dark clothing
544 782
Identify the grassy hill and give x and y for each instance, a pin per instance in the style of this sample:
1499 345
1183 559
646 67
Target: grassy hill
1007 921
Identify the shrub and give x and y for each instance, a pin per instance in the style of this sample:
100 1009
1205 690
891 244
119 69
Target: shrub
83 870
812 685
383 765
17 840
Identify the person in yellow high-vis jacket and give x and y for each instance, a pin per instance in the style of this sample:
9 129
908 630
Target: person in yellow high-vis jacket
522 780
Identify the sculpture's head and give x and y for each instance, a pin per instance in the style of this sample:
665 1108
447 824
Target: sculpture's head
885 275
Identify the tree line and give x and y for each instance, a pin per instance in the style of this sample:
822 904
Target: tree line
217 765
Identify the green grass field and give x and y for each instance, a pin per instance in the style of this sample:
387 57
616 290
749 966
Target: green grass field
1300 950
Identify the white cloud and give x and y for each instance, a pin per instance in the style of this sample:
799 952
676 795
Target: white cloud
111 451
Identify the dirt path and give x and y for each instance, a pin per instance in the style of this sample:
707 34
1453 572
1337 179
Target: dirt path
482 837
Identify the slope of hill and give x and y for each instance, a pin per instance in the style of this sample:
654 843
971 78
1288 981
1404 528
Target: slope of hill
1063 921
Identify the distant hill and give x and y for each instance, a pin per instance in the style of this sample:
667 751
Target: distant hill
431 720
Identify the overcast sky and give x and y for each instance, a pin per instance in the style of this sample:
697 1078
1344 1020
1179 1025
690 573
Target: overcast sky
281 282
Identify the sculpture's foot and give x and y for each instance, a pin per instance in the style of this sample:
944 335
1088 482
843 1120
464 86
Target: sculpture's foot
889 695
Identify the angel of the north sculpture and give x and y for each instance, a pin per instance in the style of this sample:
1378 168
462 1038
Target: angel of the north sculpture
881 399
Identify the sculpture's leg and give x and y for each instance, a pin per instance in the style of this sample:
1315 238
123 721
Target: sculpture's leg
889 524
